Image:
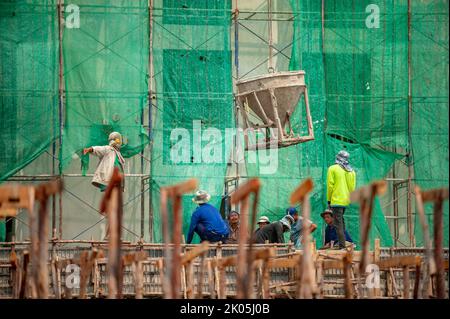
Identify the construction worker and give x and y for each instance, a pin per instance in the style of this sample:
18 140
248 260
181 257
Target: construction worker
297 228
273 233
233 225
341 181
110 157
330 231
262 222
206 221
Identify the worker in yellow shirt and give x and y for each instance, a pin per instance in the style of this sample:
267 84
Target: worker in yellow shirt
341 181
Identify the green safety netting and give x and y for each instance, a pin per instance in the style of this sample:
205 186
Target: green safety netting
106 74
358 86
28 84
357 79
192 59
429 67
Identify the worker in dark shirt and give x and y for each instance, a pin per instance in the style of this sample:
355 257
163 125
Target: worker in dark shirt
206 221
262 222
273 233
331 237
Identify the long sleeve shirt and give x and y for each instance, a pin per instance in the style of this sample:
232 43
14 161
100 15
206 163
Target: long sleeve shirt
272 232
340 184
210 218
297 230
109 156
233 236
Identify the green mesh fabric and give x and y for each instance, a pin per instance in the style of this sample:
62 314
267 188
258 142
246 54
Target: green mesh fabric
358 88
105 72
357 79
192 60
366 91
429 61
28 82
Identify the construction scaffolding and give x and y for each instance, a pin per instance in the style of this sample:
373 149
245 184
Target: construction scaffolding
145 68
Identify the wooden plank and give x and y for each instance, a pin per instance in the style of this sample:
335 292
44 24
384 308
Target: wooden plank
258 254
333 264
284 262
194 253
434 195
212 290
406 282
399 262
299 193
378 187
347 265
24 277
182 188
15 196
200 278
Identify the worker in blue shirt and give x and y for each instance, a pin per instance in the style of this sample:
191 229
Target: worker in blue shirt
206 221
331 237
297 229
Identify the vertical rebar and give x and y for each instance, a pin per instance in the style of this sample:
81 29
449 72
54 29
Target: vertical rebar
427 244
409 156
438 251
176 259
395 202
236 104
54 196
269 11
150 118
60 7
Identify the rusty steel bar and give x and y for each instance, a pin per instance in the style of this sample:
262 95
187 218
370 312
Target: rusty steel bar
437 197
306 286
245 256
112 206
175 193
366 196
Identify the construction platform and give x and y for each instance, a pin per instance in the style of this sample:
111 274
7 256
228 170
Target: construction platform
400 273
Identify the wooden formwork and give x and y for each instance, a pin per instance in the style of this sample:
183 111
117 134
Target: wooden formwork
276 278
115 269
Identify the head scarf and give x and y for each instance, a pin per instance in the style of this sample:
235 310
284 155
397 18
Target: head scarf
287 221
115 140
342 161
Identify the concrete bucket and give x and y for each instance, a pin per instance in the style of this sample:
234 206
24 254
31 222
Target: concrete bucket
273 98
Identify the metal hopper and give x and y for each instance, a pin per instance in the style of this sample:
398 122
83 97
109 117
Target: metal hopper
273 98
